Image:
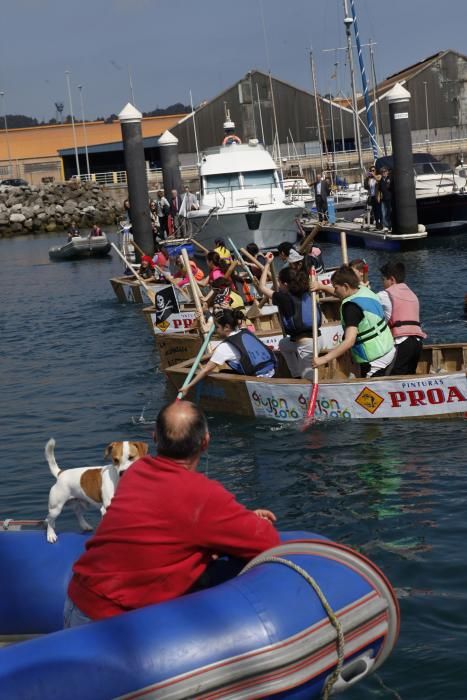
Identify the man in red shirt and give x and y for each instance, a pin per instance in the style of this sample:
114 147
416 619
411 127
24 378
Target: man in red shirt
165 526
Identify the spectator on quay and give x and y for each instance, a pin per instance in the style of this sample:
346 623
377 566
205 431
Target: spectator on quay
385 186
321 189
372 184
163 209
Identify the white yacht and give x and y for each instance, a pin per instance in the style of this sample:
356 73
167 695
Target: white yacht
241 196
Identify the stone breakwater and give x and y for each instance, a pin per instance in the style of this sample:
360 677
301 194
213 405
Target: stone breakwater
51 207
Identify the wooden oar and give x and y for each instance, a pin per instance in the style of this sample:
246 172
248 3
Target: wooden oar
310 414
251 258
166 275
199 245
150 292
308 240
345 257
194 290
241 261
198 358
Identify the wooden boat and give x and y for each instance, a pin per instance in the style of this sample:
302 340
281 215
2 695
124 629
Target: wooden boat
437 390
79 248
128 289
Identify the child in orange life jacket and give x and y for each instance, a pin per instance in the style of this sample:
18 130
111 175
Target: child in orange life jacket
402 312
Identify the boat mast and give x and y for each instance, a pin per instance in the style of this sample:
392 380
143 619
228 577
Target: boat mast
318 120
348 21
369 118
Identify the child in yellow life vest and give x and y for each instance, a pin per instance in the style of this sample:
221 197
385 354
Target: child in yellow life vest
223 252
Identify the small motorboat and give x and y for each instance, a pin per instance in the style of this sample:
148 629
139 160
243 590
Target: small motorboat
80 247
305 616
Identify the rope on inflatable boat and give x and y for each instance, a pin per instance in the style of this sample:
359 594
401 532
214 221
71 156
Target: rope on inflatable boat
340 642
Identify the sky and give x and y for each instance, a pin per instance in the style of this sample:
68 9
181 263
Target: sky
170 47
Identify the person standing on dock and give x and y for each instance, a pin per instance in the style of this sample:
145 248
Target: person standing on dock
163 209
165 528
366 332
372 184
321 197
402 312
385 186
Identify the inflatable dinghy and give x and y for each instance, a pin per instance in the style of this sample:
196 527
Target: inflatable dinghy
306 616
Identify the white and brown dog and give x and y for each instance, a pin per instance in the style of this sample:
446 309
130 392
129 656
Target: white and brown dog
88 485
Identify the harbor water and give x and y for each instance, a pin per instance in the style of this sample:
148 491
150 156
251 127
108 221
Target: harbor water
79 366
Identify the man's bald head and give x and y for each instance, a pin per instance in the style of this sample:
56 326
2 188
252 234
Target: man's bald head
181 430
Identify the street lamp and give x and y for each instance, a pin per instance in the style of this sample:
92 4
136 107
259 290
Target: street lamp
80 88
10 169
426 112
67 75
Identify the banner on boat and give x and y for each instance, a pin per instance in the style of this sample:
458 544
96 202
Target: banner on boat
175 323
399 398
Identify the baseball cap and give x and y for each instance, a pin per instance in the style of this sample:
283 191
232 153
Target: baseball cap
294 256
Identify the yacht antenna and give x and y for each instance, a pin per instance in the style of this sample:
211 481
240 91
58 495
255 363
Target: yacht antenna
260 115
371 126
276 138
194 129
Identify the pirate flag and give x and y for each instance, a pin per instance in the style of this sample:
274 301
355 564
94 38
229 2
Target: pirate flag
166 304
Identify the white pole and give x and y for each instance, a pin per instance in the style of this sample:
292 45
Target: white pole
130 81
7 136
78 171
260 116
426 111
194 129
348 22
80 88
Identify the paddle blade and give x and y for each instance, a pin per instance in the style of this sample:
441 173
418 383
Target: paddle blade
310 414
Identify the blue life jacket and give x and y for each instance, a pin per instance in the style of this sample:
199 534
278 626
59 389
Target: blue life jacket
255 357
301 321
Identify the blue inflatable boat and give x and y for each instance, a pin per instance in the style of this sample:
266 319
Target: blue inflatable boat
305 616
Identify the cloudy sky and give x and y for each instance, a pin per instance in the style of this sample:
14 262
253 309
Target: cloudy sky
171 46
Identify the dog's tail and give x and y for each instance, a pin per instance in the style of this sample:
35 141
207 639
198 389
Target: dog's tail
50 457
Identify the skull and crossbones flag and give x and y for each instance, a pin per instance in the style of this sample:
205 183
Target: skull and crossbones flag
166 304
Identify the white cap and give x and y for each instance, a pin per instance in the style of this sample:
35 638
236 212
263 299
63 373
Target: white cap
294 256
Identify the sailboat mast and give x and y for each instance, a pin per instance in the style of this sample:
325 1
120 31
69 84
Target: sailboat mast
318 120
371 126
348 21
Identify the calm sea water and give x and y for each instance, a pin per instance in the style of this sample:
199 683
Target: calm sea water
80 367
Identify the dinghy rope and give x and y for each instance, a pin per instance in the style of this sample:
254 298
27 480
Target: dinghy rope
340 642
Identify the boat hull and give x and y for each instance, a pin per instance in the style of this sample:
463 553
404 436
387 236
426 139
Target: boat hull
81 248
263 633
424 395
273 225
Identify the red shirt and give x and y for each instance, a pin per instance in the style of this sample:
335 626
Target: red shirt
157 538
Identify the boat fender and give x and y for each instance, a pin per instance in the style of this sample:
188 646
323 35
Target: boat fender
231 139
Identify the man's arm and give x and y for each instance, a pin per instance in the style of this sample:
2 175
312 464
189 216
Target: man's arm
226 527
386 303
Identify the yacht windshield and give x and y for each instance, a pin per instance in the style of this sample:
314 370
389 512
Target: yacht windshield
259 178
222 181
433 167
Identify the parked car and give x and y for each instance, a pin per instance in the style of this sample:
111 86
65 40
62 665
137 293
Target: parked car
14 182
